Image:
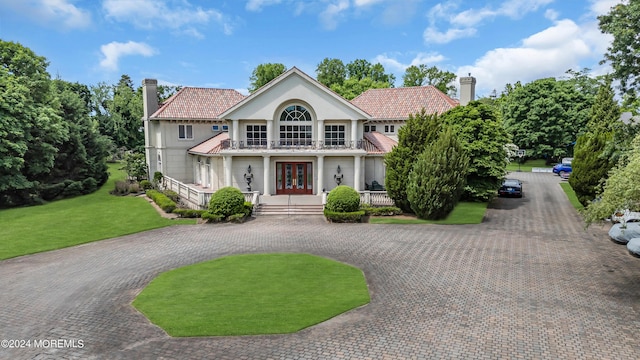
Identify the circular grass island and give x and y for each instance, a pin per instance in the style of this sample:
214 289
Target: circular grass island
251 295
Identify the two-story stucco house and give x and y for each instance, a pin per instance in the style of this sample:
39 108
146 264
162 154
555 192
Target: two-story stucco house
292 136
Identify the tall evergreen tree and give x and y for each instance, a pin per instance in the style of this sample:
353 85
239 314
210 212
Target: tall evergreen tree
591 162
438 177
420 130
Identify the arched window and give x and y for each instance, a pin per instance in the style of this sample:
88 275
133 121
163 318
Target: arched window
295 126
295 113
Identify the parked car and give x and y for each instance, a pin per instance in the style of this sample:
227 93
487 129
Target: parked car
563 168
511 188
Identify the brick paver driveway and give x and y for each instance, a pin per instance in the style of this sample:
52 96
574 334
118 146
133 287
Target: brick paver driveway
529 283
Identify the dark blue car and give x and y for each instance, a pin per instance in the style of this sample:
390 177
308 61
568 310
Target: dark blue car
562 169
510 188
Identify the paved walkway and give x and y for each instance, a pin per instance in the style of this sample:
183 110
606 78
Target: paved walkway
528 283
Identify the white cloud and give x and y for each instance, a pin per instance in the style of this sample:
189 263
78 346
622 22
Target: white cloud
359 3
55 12
149 14
257 5
548 53
113 51
432 35
463 24
601 7
333 13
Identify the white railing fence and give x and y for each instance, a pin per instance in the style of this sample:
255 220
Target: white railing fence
198 199
376 198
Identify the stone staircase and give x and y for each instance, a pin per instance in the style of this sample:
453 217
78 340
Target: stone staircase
290 205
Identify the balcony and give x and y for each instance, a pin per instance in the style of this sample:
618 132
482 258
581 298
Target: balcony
290 144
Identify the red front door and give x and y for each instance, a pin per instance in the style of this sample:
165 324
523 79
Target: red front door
294 178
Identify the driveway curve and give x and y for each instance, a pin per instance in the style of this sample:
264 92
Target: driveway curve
529 282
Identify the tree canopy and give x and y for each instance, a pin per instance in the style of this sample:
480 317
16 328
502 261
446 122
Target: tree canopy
545 117
264 73
623 22
483 137
48 145
422 75
354 78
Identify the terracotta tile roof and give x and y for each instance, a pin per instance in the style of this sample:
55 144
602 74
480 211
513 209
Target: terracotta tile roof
211 146
398 103
377 143
198 103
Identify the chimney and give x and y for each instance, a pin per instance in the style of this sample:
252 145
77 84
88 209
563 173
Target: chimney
149 97
467 89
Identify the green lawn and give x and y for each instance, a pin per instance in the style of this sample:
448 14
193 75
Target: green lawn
77 220
528 165
252 294
463 213
571 195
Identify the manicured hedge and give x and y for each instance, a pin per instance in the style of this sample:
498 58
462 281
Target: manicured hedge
344 217
166 204
227 201
188 213
381 211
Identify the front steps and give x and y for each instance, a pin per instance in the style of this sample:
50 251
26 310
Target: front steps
290 205
288 210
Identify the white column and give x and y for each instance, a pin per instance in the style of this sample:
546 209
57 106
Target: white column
354 132
320 185
236 131
228 166
357 177
266 161
269 133
320 136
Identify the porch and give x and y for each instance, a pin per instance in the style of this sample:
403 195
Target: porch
195 196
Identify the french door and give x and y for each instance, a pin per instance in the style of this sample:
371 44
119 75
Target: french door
294 178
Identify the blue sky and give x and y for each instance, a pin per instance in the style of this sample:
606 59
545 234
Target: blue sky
219 43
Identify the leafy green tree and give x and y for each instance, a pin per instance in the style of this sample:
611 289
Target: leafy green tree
422 75
623 22
331 72
83 154
31 128
483 137
351 88
264 73
545 117
135 166
438 177
420 130
621 190
125 110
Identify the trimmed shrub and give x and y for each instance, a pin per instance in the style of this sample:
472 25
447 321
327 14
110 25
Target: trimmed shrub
209 217
227 201
171 195
343 199
188 213
381 211
237 218
166 204
146 184
248 208
344 217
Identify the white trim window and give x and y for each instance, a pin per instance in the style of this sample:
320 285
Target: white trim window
369 128
185 132
334 135
256 135
389 129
